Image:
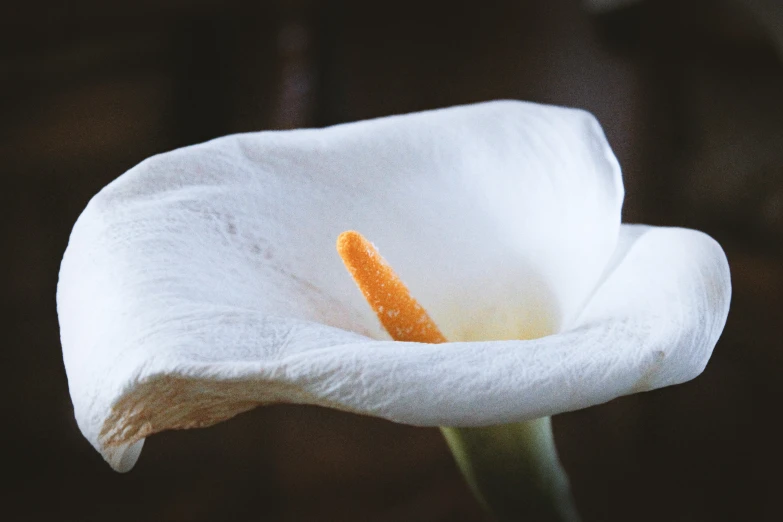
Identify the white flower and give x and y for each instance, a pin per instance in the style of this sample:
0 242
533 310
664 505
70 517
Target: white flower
205 281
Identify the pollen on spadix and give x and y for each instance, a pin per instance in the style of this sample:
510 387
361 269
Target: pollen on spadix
399 313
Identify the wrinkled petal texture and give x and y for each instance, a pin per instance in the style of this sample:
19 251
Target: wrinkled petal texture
205 281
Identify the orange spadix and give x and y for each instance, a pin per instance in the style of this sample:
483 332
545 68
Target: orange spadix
400 314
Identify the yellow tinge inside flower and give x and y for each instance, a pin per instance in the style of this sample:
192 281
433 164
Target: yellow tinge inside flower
502 323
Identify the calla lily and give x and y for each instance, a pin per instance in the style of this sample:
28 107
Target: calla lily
205 282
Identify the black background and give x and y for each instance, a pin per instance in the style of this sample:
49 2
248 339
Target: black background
689 94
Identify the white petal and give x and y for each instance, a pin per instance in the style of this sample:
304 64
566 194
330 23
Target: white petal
205 280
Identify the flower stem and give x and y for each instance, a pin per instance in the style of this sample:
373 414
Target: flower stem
514 471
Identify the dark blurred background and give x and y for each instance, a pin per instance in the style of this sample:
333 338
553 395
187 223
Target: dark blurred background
690 95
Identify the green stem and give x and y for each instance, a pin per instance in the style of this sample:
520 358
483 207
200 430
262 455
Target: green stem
514 471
